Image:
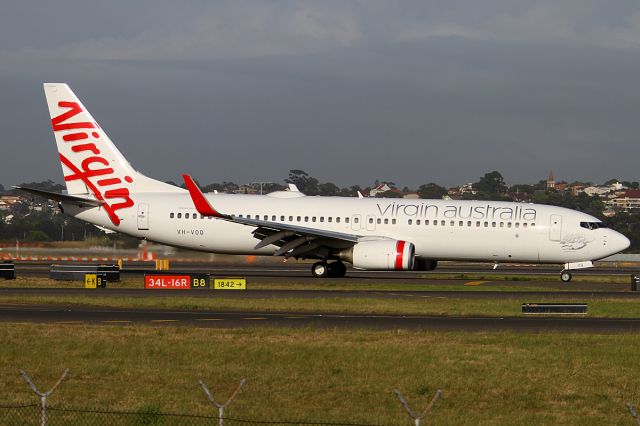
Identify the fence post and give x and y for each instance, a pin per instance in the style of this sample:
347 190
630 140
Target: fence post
43 395
221 407
417 418
633 412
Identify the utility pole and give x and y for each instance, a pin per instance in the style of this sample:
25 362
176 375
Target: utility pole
261 184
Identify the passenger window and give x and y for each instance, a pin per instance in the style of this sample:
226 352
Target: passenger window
442 222
509 225
306 218
417 221
409 222
321 218
533 225
477 224
171 215
281 218
501 224
337 219
346 220
186 215
524 225
179 215
290 218
273 218
265 217
313 219
257 217
329 219
393 221
379 221
201 216
426 222
435 223
386 221
517 225
486 224
298 218
370 220
452 223
493 224
469 223
195 216
461 223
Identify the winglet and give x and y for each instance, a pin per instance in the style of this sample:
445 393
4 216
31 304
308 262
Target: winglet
202 205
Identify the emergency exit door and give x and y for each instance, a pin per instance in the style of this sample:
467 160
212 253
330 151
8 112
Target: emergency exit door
143 216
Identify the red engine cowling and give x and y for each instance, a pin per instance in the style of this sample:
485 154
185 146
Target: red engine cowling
381 255
421 264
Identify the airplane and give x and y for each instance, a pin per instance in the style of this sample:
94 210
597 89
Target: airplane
379 234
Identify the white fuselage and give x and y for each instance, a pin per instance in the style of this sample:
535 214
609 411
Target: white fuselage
439 229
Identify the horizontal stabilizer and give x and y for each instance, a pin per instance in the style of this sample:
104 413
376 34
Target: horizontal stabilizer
62 198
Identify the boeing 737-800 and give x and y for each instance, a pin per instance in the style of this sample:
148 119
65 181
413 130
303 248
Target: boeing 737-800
370 233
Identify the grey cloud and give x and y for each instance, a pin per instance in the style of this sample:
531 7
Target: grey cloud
348 91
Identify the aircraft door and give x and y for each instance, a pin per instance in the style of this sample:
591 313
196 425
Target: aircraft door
355 222
143 216
371 222
555 227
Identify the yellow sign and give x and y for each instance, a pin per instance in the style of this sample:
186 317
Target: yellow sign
230 284
91 281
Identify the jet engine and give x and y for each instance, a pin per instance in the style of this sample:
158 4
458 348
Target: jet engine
381 255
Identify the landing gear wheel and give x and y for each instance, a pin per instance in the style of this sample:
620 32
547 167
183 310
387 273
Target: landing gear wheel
320 270
337 269
565 276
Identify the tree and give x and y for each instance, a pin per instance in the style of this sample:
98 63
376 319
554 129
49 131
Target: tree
491 183
431 190
305 183
328 189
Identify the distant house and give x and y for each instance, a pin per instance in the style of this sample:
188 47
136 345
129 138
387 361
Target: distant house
246 189
629 200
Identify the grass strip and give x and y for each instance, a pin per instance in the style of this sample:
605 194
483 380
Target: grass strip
329 375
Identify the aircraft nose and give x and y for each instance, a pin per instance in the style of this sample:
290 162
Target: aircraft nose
619 242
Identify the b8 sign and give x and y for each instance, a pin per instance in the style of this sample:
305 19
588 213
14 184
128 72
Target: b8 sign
199 281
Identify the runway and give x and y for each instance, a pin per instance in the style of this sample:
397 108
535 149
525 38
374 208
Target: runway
113 291
302 271
77 316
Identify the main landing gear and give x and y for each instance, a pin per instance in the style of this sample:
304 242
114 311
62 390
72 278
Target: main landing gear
326 270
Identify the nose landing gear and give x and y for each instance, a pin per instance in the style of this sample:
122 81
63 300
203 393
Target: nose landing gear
565 276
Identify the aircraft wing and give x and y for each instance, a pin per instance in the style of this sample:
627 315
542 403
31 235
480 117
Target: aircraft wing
293 240
71 199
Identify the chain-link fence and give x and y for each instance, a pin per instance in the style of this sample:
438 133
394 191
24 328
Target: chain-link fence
25 415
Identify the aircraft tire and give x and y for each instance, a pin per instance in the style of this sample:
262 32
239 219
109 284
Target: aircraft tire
565 276
337 269
320 270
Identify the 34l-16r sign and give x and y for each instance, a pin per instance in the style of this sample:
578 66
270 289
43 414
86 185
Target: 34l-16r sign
176 282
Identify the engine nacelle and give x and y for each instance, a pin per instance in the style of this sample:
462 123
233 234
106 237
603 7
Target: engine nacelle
381 255
421 264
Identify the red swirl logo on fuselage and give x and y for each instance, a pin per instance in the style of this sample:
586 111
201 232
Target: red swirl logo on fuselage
92 166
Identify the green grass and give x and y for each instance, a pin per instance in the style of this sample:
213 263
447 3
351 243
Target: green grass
329 375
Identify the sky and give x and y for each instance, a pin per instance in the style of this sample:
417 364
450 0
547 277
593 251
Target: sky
349 91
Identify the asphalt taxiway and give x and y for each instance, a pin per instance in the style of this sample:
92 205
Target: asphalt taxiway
75 316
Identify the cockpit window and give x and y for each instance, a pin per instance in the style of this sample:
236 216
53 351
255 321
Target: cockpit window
592 225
